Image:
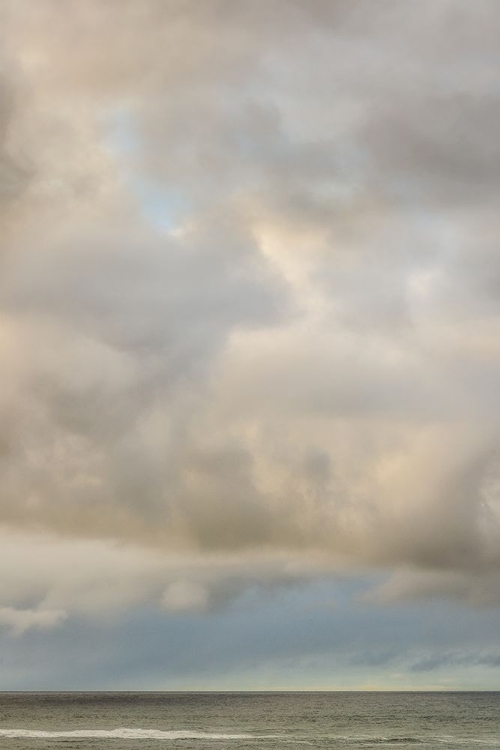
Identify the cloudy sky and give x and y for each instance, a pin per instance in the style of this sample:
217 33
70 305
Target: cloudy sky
249 344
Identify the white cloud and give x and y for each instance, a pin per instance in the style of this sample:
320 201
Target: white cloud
21 620
185 596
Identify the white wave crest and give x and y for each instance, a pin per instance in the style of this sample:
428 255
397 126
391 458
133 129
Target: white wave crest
121 733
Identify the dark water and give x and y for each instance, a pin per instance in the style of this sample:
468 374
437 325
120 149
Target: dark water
261 721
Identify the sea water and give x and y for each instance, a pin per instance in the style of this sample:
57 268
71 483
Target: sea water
262 721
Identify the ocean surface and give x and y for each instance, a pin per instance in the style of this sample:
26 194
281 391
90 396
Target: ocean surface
261 721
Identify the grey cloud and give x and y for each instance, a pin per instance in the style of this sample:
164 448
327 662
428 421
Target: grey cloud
293 368
14 175
445 148
148 294
434 662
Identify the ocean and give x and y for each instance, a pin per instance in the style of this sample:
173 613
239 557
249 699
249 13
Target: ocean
261 721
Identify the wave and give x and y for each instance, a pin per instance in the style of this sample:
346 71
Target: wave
187 734
121 733
394 740
413 740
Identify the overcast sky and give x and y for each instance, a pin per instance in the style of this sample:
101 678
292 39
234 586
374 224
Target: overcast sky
249 344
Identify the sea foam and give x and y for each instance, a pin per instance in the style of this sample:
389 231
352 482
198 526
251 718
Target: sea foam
121 733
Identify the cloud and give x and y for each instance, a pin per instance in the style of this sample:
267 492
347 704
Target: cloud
21 620
296 374
185 596
49 578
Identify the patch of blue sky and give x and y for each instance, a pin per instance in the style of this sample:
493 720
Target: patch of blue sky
163 207
122 137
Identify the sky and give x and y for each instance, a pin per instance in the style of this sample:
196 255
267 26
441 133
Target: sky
249 344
